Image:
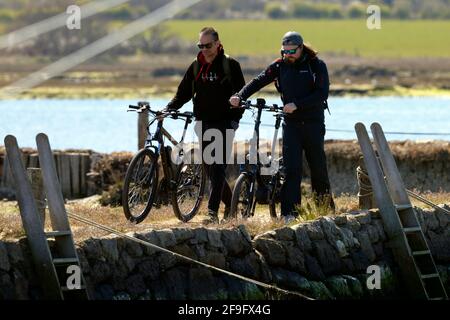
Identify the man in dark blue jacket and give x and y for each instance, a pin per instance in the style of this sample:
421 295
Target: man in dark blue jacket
302 80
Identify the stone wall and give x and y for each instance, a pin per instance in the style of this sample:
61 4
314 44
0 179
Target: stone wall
324 259
422 165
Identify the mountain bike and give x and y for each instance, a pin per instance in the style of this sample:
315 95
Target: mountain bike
183 179
252 186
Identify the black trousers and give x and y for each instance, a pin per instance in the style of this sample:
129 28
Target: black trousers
308 137
215 153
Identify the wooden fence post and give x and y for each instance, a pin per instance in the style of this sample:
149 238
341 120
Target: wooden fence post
365 193
37 186
75 174
53 191
34 161
85 165
142 128
6 181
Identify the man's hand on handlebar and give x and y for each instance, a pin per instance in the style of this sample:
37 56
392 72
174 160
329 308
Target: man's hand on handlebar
289 108
235 101
168 109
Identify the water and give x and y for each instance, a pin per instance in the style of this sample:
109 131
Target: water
105 126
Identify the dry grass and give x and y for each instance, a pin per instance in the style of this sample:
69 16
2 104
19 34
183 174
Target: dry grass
11 225
435 197
113 217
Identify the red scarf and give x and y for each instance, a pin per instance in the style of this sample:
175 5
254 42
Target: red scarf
205 66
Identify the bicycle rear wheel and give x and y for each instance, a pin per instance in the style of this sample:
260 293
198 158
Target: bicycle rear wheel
242 198
271 183
139 190
277 181
188 196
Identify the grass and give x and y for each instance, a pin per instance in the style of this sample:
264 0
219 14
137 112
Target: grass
86 92
435 197
396 38
11 225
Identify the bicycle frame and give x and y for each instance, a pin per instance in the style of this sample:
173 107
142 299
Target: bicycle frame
156 141
158 137
279 117
254 171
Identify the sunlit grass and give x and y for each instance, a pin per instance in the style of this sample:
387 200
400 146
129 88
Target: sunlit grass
163 217
396 38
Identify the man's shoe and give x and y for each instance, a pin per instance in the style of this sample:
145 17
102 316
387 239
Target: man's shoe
288 219
212 217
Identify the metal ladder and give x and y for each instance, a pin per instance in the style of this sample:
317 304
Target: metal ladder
52 268
407 240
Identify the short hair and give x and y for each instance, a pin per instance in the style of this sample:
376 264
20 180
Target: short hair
211 31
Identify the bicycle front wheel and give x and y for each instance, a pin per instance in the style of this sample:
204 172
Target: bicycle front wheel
242 198
139 190
188 196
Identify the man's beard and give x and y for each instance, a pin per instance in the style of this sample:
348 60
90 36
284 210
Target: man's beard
289 60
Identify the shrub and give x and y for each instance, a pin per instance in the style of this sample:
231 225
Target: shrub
316 10
275 10
356 10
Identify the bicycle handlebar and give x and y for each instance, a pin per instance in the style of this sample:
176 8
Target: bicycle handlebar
261 104
144 106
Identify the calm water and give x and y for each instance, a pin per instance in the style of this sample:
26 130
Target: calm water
105 126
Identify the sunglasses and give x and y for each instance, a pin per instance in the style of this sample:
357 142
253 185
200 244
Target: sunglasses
290 51
206 45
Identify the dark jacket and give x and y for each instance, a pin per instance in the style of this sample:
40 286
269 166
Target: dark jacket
211 98
304 83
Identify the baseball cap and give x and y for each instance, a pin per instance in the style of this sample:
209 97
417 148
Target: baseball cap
292 38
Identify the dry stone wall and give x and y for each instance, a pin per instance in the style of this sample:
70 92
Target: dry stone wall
324 259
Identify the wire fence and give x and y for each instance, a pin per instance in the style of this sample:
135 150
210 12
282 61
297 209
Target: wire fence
386 132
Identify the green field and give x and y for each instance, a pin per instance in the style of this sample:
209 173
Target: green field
422 38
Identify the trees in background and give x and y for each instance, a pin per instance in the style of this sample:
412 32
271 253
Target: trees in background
23 12
338 9
18 13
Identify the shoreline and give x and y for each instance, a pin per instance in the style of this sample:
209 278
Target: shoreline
118 92
158 75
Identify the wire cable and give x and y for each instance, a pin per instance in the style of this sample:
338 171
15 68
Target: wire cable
148 244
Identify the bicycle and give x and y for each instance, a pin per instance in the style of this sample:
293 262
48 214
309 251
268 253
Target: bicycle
184 181
251 186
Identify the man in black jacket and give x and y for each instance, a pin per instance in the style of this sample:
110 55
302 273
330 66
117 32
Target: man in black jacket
210 81
302 80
